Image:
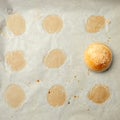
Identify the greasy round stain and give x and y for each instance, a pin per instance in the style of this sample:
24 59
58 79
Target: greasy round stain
52 24
95 24
56 96
14 96
16 60
16 24
99 94
55 58
98 57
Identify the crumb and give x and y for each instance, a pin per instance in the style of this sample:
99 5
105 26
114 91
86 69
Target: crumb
68 102
88 109
38 81
76 97
48 92
75 76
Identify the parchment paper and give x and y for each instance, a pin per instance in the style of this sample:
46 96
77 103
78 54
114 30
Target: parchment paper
74 40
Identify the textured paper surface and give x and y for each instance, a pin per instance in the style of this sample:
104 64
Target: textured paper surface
73 75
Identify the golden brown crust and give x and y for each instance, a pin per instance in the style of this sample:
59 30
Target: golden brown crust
98 57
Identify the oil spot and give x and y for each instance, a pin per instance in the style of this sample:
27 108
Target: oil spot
55 58
95 24
16 24
52 24
99 94
56 96
16 60
14 96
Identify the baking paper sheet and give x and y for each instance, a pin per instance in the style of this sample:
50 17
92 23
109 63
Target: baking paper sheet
74 40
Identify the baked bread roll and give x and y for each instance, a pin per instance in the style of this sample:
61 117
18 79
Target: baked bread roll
98 57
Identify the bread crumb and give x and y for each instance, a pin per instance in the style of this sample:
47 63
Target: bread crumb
68 102
76 97
38 81
75 76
